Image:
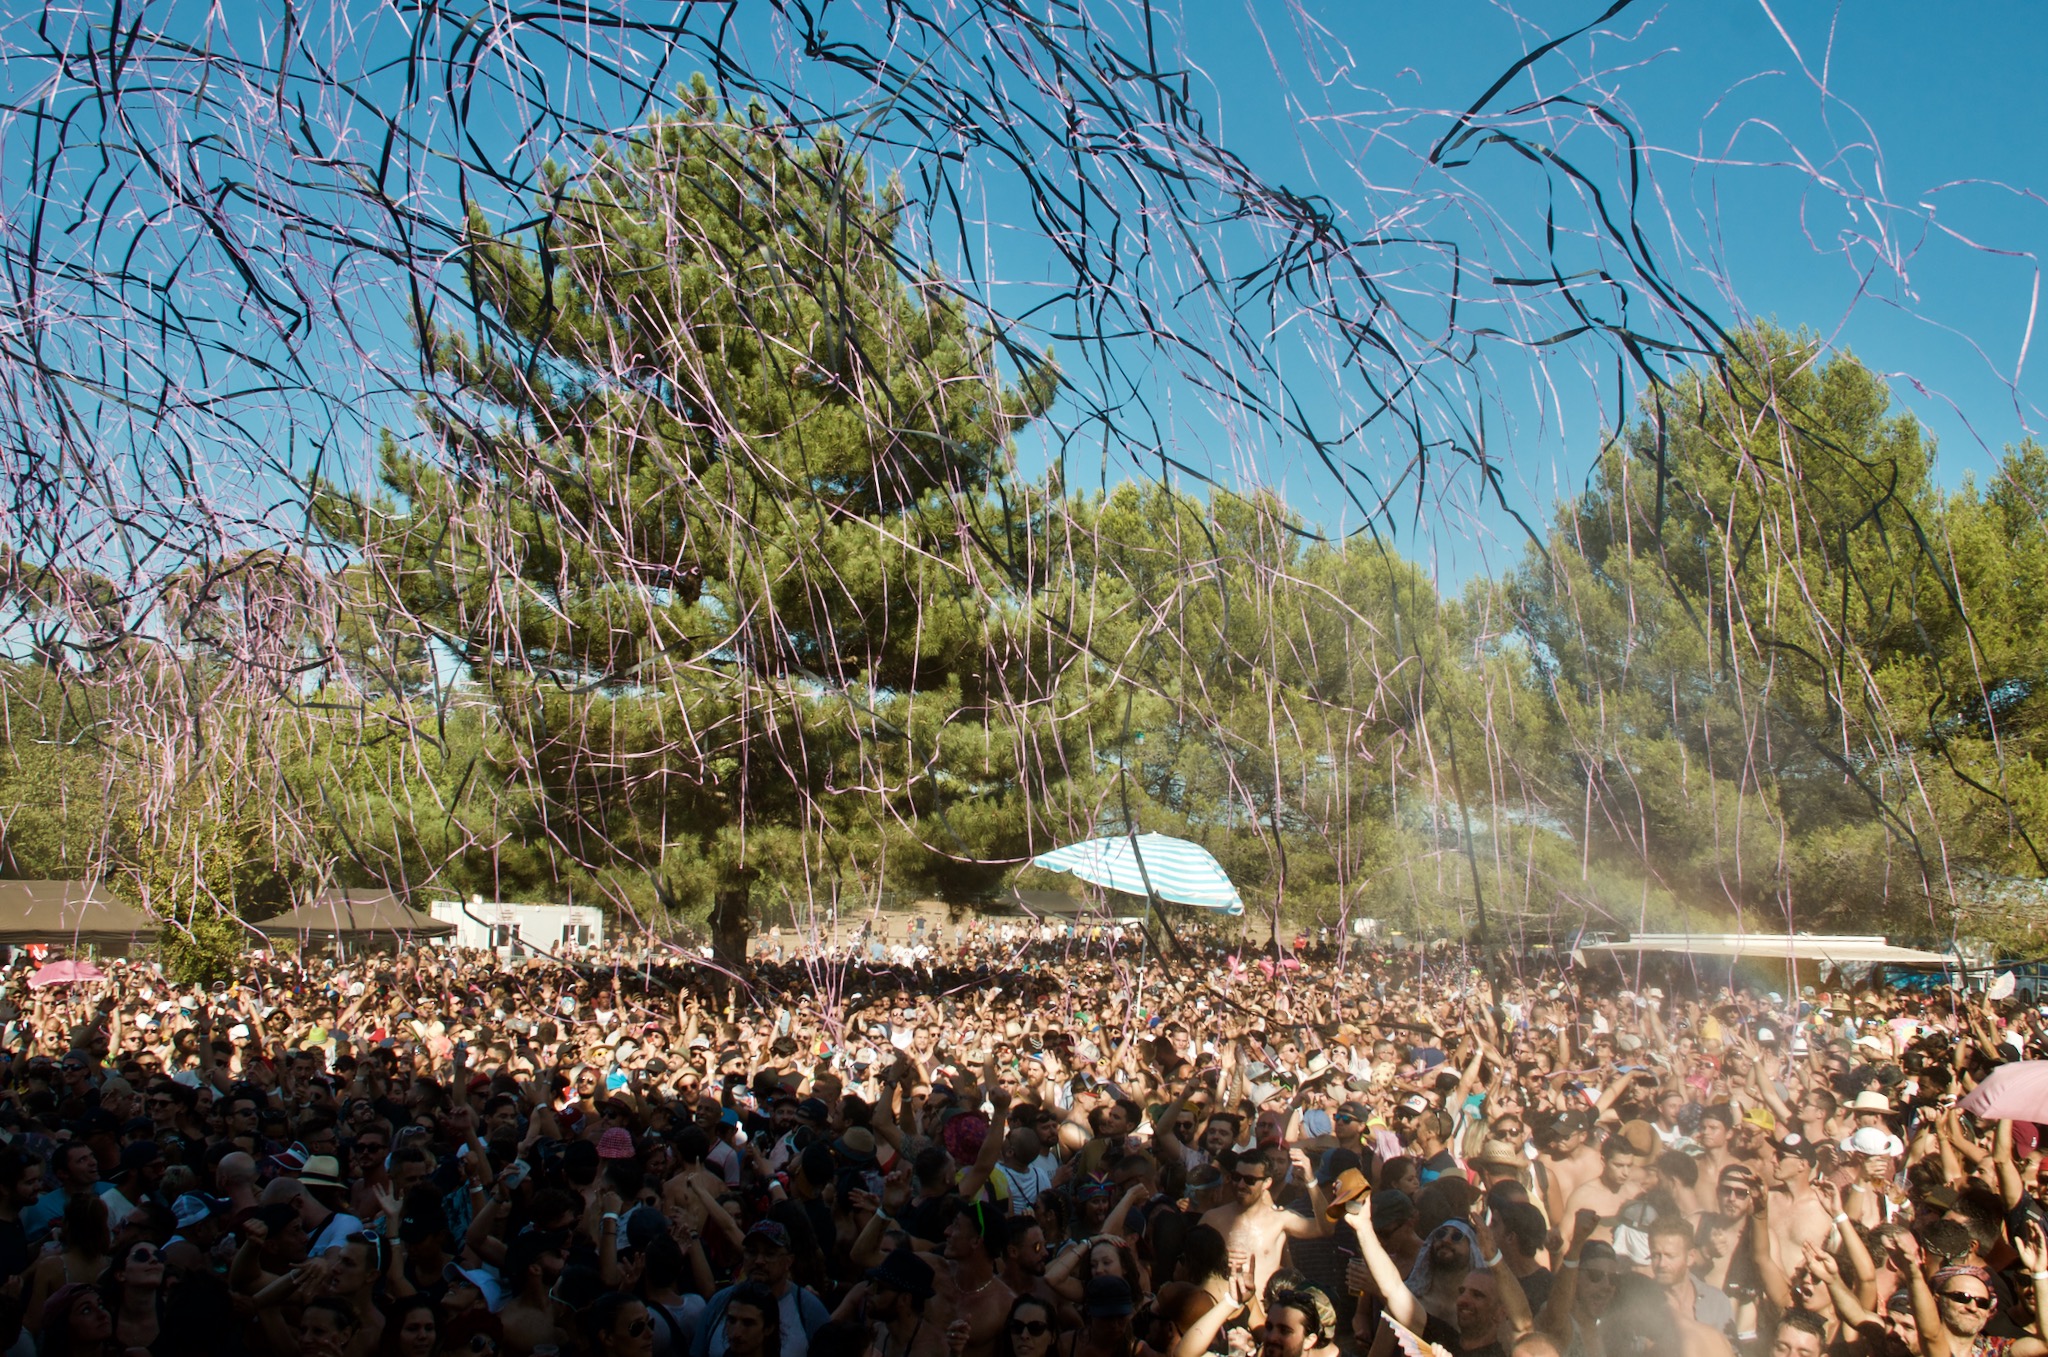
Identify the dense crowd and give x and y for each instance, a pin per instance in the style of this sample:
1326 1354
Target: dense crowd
1024 1146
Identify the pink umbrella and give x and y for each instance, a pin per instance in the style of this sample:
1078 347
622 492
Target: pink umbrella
2015 1092
65 973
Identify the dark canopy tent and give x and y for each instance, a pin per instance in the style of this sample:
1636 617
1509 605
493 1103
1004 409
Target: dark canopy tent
75 913
358 916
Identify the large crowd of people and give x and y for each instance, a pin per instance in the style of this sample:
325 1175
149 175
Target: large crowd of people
1032 1145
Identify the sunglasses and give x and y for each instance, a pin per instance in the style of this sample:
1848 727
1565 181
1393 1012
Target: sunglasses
1030 1328
1597 1274
1346 1116
1975 1302
482 1342
639 1328
143 1256
1249 1179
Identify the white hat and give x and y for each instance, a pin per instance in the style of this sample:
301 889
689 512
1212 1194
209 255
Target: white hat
1874 1140
1870 1100
493 1291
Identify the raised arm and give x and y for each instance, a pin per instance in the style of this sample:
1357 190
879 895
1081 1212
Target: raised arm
1556 1318
977 1176
1404 1305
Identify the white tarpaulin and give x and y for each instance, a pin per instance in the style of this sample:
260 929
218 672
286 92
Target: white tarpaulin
1841 948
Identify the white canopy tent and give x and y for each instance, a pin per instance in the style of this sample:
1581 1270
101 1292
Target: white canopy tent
1840 948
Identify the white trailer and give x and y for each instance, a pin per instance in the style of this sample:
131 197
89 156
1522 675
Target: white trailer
511 930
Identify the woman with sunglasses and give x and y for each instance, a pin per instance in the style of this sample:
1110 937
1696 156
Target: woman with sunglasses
1028 1331
134 1290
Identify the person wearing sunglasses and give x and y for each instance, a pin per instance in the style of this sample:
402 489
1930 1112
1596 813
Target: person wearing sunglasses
134 1289
1255 1228
1956 1305
1583 1289
1028 1332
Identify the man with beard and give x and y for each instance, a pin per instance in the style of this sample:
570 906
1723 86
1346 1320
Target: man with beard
1450 1252
768 1258
531 1317
1255 1230
1300 1322
1694 1298
1024 1259
892 1302
1450 1297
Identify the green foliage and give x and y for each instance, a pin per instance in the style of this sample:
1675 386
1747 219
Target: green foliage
1789 676
202 871
54 795
722 536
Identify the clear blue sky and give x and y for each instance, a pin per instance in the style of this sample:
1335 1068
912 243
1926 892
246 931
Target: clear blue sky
1920 128
1872 171
1780 149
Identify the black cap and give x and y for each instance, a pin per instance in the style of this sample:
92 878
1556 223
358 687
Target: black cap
904 1271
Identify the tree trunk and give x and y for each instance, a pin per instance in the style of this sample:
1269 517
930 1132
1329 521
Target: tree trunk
732 918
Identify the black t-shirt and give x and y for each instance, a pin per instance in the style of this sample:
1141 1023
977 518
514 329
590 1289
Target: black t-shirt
1536 1286
927 1218
1446 1336
15 1257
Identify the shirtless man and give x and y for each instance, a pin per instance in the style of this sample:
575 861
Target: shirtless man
974 1239
1569 1162
1619 1183
1254 1230
892 1301
1798 1217
532 1263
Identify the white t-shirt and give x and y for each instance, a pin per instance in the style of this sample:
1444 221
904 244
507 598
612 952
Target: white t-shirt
726 1161
1025 1184
335 1233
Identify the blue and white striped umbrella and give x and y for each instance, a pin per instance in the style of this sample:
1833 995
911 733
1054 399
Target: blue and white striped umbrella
1179 871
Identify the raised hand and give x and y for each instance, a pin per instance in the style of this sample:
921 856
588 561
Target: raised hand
2032 1247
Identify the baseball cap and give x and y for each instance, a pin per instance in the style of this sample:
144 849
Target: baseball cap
493 1291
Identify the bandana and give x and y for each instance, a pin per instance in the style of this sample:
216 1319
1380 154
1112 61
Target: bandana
1418 1276
1964 1270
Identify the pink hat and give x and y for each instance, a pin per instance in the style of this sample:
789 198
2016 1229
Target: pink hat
615 1143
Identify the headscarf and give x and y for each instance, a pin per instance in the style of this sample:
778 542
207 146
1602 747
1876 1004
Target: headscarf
1418 1276
1963 1270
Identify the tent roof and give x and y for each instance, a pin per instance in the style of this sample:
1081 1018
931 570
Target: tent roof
1836 947
352 913
68 911
1150 864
